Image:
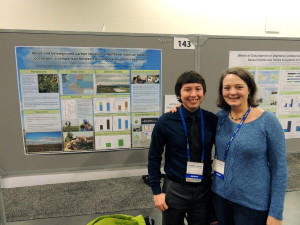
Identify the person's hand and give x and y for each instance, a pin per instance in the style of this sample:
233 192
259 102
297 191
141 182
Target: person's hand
273 221
160 201
174 108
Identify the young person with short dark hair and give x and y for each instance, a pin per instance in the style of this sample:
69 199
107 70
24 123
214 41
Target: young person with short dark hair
186 189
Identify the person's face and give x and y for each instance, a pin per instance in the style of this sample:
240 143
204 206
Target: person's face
235 91
191 95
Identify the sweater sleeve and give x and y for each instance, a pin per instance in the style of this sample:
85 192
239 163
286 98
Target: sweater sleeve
278 165
155 157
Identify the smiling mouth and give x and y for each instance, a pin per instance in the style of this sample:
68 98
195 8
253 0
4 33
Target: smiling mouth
193 100
236 98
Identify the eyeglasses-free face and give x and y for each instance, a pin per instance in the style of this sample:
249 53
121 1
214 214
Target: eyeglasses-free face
191 95
235 91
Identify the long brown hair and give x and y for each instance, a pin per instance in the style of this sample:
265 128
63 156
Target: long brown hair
246 76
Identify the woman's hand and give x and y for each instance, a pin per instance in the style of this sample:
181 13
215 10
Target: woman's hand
174 108
273 221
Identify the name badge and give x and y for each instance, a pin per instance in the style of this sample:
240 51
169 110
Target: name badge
194 172
219 167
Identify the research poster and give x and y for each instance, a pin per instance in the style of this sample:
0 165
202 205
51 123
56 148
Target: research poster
80 99
277 74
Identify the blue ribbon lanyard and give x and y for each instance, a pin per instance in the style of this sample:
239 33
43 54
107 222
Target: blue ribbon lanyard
234 133
186 134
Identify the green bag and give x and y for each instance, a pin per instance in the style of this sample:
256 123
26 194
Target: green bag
118 219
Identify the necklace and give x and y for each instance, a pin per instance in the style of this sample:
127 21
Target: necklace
236 119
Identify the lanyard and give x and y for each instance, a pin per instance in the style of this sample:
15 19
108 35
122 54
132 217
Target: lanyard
234 133
186 134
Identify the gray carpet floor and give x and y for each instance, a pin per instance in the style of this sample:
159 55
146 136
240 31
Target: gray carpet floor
78 198
293 160
95 197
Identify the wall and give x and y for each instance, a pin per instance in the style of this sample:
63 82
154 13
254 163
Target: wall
256 18
231 17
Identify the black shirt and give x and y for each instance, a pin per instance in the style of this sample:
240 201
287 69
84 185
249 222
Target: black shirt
168 137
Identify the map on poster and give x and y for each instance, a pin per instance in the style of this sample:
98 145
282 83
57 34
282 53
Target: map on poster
277 74
81 99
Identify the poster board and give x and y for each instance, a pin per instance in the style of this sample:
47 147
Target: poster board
12 157
214 59
78 99
210 57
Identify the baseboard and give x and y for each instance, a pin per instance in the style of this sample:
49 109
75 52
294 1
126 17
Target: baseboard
76 176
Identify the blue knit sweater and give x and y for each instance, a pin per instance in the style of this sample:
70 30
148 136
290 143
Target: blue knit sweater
256 168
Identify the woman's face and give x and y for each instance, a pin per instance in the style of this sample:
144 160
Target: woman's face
235 91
